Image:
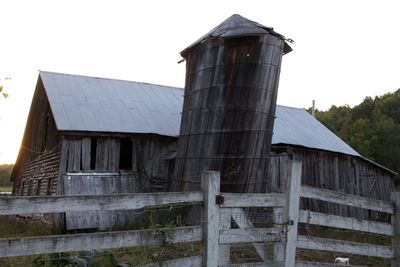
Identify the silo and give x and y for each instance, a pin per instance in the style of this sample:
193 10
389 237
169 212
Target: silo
232 76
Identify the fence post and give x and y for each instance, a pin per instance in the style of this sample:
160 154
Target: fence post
278 248
396 224
210 184
293 183
224 252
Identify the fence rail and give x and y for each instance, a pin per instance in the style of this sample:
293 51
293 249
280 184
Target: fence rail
324 244
316 218
253 200
346 199
54 204
11 247
221 212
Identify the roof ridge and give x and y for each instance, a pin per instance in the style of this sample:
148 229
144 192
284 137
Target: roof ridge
105 78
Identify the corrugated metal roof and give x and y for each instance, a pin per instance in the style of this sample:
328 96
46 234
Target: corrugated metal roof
237 26
81 103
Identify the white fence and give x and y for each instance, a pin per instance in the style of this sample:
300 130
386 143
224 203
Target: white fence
220 212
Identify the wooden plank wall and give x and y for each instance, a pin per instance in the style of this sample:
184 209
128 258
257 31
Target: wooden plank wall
83 175
76 154
153 161
343 173
98 184
38 176
36 168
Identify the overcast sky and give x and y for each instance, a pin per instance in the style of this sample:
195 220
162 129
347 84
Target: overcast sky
343 50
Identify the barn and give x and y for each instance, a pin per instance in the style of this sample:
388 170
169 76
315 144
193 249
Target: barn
88 135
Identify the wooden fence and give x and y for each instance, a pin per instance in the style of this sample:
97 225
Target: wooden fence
221 211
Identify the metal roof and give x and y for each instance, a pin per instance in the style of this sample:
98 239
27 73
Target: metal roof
296 126
81 103
237 26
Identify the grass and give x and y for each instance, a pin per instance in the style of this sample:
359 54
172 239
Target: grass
11 226
346 235
5 188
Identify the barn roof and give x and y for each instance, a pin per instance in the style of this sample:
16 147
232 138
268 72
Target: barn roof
90 104
81 103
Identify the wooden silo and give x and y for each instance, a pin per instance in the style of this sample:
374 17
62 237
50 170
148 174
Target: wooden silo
232 76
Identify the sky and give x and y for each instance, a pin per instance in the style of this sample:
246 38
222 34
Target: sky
344 50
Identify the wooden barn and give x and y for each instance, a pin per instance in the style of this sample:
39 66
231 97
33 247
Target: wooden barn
87 135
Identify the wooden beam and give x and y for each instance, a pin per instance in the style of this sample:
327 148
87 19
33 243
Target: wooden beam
346 199
319 264
225 219
31 205
252 264
396 225
210 184
331 245
293 185
278 248
306 216
242 200
194 261
251 235
96 241
243 222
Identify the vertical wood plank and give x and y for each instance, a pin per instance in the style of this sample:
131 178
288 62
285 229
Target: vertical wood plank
64 155
102 154
71 153
86 146
77 155
224 254
113 155
292 210
210 183
396 226
278 247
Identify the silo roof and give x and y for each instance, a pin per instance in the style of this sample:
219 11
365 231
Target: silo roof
238 26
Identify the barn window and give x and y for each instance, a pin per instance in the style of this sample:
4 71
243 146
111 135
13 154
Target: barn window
125 154
93 148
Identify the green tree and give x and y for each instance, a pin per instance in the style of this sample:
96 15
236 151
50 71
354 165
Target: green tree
372 127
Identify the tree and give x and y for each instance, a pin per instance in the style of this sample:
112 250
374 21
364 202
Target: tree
372 127
4 94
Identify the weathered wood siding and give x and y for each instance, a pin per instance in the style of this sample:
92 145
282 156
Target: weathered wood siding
38 176
36 169
91 165
153 161
98 184
338 172
228 112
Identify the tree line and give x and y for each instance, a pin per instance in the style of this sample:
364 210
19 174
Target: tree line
372 127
